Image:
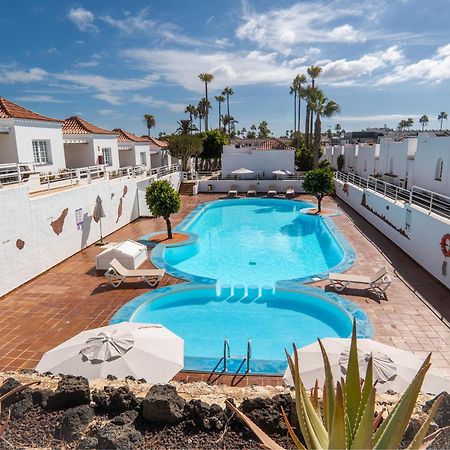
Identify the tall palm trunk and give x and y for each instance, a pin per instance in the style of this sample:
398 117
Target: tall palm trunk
200 124
299 112
317 139
206 114
220 117
307 125
295 112
228 113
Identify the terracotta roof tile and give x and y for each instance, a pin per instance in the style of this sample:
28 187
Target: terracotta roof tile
157 142
77 125
126 136
10 110
273 144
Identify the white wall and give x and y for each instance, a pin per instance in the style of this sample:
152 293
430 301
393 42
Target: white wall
350 156
421 240
127 157
79 155
107 141
262 186
29 219
18 147
429 149
367 160
259 161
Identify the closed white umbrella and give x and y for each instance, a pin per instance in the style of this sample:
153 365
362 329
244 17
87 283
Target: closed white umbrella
98 215
242 171
279 172
147 351
394 369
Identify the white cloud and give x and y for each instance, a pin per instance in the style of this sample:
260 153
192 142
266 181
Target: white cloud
140 23
433 69
86 64
38 98
83 19
378 117
155 103
11 75
283 28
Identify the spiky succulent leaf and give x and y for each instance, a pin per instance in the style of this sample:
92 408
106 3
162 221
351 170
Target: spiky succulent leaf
338 438
329 393
364 432
353 386
291 431
421 434
398 419
366 391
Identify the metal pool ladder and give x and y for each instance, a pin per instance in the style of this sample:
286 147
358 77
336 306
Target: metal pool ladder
227 355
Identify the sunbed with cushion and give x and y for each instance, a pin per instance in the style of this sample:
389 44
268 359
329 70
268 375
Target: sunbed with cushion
272 191
290 192
233 192
377 282
251 191
117 273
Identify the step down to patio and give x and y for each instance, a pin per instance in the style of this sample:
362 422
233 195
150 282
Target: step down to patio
187 188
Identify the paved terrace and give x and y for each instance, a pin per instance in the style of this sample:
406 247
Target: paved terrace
72 297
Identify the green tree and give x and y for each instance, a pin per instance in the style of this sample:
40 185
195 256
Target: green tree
338 129
192 111
263 130
220 99
163 200
185 126
442 116
252 133
304 158
184 147
150 122
424 121
319 182
313 72
228 92
340 161
202 110
206 78
213 142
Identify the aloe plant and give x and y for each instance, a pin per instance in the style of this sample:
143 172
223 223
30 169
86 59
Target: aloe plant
347 418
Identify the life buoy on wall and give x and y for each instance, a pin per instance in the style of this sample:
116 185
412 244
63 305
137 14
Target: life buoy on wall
445 245
345 187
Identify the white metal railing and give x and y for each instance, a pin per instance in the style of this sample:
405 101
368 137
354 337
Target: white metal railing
424 198
21 173
299 176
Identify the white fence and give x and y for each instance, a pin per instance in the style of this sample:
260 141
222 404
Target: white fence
431 201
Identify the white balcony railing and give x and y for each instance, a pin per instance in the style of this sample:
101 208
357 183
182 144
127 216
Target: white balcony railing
432 202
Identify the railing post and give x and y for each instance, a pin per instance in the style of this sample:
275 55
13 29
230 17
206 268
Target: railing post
431 203
19 174
385 186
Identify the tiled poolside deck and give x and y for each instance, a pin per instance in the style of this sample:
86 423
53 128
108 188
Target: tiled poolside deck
72 297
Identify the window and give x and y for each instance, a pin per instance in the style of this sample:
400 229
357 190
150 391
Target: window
143 159
107 156
41 152
439 169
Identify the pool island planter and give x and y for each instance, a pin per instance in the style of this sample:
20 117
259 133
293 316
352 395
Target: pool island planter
159 257
333 313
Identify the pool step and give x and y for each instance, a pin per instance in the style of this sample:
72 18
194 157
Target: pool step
187 188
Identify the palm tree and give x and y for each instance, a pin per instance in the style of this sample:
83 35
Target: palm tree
227 92
409 123
192 111
150 122
313 72
308 94
206 78
185 126
300 80
338 129
293 90
424 121
220 99
229 122
202 109
323 107
442 115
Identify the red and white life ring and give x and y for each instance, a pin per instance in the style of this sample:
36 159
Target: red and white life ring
345 187
445 245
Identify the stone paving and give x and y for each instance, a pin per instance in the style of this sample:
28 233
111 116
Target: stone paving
72 297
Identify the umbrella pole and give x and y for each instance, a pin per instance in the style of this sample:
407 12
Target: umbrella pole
101 234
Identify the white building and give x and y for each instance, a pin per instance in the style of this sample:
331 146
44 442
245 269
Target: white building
159 155
88 145
267 157
133 150
397 160
432 163
367 160
28 137
350 153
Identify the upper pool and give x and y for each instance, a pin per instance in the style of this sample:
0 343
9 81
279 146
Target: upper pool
253 242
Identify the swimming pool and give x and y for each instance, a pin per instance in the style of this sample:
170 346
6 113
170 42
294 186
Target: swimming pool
254 241
204 317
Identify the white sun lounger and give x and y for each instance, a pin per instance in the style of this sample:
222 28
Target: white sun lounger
290 192
272 191
251 191
117 273
233 192
377 282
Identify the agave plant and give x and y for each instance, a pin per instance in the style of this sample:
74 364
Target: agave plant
347 417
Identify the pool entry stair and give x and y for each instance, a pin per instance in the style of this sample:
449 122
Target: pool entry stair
227 361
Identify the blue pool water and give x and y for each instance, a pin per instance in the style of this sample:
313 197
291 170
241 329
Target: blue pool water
254 241
273 321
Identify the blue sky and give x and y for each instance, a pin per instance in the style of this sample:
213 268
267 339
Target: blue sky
113 61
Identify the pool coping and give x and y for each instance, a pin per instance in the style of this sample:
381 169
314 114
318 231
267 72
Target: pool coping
364 326
158 260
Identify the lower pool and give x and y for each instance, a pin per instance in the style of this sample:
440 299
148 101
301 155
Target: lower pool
270 320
